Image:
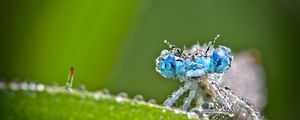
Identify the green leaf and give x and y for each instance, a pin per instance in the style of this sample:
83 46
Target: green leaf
39 102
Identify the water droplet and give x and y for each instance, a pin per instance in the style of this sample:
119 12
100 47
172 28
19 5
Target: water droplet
119 99
152 101
169 44
196 110
231 114
216 77
123 95
164 53
105 91
32 86
208 105
14 86
165 41
177 111
138 98
40 87
68 89
24 85
81 88
244 114
97 95
2 85
51 88
192 115
205 116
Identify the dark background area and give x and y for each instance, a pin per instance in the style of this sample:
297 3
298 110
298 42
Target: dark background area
114 44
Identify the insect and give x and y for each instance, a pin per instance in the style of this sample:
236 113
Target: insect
200 69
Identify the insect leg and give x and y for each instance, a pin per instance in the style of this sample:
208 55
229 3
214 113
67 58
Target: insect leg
199 100
175 95
188 100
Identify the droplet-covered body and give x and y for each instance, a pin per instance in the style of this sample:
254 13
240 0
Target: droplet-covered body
200 68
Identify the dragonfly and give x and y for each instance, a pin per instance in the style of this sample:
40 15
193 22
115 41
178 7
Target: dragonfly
201 69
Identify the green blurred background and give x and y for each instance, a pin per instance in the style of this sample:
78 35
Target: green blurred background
114 44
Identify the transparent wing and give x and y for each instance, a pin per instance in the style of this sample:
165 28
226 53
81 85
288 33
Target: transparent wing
246 77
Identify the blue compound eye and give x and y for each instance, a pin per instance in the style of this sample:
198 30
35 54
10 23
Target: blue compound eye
166 65
180 68
221 59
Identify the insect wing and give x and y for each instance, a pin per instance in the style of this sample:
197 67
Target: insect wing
246 77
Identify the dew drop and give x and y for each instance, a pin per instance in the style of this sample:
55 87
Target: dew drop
105 91
123 95
216 77
81 88
244 114
192 115
177 111
205 116
164 52
152 101
97 95
138 98
32 86
166 41
231 114
51 88
208 105
68 89
14 86
2 85
198 111
40 87
119 99
24 85
169 44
